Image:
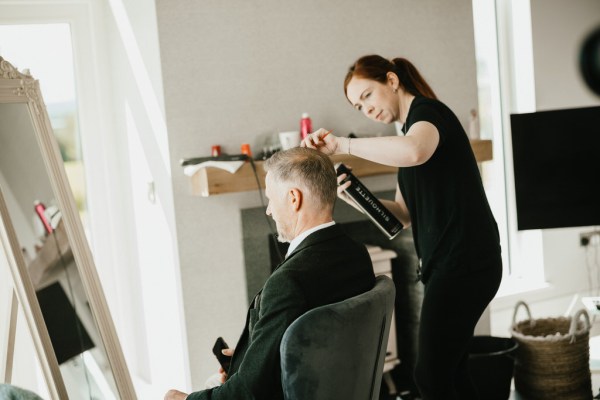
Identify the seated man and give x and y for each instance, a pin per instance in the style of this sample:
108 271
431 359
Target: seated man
322 266
9 392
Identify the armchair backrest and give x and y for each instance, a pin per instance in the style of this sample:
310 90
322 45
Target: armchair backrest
337 351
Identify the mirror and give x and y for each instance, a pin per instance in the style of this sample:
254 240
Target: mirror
55 280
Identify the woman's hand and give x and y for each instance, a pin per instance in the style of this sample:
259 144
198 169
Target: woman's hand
323 141
341 191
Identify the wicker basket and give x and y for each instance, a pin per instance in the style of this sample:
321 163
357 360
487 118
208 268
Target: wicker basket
552 360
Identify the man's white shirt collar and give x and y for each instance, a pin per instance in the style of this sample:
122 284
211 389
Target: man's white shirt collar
298 239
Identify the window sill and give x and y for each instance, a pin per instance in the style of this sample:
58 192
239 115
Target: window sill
514 289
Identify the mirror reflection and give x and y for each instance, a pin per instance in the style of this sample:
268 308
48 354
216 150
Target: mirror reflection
47 251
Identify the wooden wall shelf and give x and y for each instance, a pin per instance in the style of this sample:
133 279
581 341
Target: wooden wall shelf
212 181
48 260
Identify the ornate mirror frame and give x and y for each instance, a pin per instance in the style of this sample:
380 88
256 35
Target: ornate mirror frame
20 87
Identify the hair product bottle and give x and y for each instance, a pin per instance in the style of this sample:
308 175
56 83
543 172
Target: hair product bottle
369 204
305 125
40 209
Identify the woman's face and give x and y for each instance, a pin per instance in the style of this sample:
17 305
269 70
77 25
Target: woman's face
376 100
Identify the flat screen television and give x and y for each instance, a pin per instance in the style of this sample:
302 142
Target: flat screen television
67 334
556 158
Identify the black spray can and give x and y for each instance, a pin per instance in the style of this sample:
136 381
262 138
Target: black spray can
369 204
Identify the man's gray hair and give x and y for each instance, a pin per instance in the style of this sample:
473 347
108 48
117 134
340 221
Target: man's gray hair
308 168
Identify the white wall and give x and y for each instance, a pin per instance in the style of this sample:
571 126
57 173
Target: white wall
238 71
25 371
558 29
142 217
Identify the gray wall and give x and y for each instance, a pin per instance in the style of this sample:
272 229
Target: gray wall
558 30
22 172
236 72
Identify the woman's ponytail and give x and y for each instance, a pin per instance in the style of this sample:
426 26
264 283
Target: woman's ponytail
411 79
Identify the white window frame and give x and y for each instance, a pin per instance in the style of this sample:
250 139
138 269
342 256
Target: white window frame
513 91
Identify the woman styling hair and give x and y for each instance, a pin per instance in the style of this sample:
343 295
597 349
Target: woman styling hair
440 194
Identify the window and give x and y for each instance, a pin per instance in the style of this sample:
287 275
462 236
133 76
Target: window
506 86
46 51
490 115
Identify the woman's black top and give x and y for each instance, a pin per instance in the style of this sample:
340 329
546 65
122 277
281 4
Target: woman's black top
453 227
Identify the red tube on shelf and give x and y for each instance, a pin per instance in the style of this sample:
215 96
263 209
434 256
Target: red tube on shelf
39 210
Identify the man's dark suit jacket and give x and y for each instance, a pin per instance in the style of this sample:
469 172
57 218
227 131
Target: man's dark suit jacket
325 268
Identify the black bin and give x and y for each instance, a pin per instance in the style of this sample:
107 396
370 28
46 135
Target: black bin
491 363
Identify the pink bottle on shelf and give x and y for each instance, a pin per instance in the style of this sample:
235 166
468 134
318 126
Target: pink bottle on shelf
40 209
305 125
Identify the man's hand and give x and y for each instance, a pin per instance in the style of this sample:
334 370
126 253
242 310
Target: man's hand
229 353
175 395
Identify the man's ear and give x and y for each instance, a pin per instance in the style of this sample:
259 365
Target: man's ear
295 196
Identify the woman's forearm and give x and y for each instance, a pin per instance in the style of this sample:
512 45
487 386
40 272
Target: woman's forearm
397 151
398 212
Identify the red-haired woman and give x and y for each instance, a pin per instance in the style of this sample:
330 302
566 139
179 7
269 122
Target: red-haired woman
439 194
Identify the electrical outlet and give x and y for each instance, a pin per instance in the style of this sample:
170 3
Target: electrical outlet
589 238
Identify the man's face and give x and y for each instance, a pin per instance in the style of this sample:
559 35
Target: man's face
279 208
